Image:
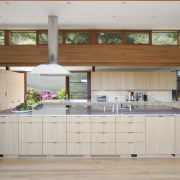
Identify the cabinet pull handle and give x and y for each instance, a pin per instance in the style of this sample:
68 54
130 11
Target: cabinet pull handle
54 142
30 122
102 132
78 123
78 132
102 142
30 142
103 122
78 142
130 132
130 142
130 122
3 122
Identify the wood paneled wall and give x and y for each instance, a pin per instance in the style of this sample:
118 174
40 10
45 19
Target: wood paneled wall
93 55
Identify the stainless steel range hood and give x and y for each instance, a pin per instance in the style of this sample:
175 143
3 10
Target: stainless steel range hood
52 67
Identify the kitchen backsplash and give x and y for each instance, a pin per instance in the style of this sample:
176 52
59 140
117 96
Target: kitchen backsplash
163 96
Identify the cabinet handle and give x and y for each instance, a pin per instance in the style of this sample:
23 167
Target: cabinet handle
30 142
103 122
54 142
130 142
102 142
78 123
5 93
130 132
78 142
3 122
30 122
102 132
78 132
130 122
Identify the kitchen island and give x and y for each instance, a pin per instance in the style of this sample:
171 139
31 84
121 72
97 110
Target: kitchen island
88 130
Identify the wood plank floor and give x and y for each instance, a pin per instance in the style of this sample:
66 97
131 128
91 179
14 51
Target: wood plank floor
89 169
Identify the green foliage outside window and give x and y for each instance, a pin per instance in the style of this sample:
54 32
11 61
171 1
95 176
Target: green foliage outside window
164 38
43 38
23 38
137 38
1 38
77 38
109 38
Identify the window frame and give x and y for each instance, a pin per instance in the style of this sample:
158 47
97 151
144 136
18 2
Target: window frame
4 37
21 31
77 31
165 31
138 32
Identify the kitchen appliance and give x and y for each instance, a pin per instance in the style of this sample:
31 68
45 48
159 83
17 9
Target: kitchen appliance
145 96
52 67
140 96
101 98
131 96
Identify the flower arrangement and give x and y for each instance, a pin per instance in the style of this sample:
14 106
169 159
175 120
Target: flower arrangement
48 95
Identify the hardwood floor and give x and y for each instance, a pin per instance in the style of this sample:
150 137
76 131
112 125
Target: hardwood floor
89 169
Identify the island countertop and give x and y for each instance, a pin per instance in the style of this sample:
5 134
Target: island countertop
141 110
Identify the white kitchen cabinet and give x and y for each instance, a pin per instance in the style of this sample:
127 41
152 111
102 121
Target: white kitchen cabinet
130 81
160 135
121 80
8 137
30 148
78 137
155 80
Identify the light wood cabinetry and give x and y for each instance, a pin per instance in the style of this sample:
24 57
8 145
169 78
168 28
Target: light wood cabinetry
160 135
95 81
103 148
133 81
8 136
30 135
130 81
177 130
54 148
11 89
121 80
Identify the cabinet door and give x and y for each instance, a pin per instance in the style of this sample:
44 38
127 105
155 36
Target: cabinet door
95 81
8 138
30 132
121 80
3 90
78 148
113 81
105 81
160 135
54 132
155 76
103 148
163 81
129 80
146 81
138 81
172 80
54 148
177 145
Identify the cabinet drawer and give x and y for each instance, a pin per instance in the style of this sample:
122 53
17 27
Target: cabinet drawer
30 132
54 148
130 137
58 119
99 119
103 137
74 119
7 119
130 127
103 148
130 148
78 148
78 137
78 127
30 148
26 119
127 119
54 132
103 127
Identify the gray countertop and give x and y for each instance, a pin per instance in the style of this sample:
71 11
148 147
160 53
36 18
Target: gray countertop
142 110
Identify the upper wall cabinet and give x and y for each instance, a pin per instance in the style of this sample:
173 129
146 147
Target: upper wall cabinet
140 81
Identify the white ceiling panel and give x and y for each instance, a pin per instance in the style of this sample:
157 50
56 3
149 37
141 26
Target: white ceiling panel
91 14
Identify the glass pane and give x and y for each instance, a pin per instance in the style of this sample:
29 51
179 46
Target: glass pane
164 38
78 95
1 38
78 77
23 38
78 87
109 38
77 38
137 38
43 38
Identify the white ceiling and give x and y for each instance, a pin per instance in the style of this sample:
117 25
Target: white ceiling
91 14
